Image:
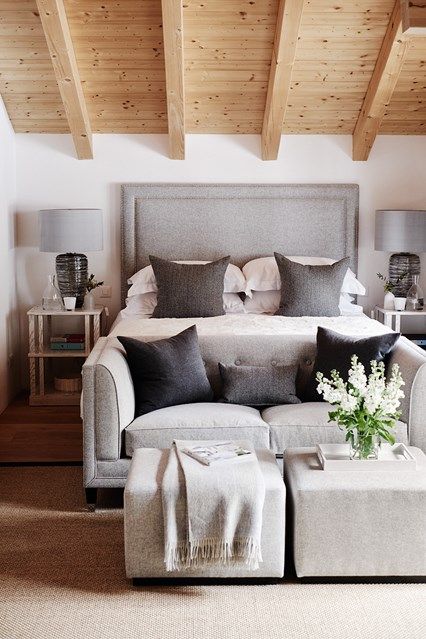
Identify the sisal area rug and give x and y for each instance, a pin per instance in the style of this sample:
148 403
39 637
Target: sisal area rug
62 577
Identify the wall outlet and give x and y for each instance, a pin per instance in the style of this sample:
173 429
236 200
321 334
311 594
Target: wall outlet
105 291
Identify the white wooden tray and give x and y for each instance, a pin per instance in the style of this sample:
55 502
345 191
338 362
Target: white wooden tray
391 458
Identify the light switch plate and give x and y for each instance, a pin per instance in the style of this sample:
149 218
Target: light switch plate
105 291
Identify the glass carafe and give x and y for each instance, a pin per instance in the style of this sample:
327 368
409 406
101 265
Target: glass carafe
52 298
415 296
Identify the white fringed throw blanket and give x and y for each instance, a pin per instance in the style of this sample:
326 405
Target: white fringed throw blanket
212 514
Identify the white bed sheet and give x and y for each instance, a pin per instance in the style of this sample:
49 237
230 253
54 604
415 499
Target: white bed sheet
247 324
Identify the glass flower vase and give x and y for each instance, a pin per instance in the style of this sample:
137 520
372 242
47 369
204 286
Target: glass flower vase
89 301
364 446
415 297
52 298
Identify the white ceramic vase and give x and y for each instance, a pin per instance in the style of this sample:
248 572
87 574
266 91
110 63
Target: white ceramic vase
389 301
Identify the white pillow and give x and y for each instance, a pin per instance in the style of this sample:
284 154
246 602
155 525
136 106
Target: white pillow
144 280
144 304
263 302
267 302
347 307
262 274
351 285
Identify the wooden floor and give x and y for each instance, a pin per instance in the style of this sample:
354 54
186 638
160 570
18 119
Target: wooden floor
31 434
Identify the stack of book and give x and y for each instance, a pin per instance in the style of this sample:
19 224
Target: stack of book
67 342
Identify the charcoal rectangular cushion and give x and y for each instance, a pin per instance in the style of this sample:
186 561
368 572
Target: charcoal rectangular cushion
167 372
189 290
259 385
334 352
310 290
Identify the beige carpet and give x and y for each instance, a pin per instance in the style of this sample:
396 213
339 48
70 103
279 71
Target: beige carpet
62 576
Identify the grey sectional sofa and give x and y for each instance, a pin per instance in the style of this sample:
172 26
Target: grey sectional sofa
111 433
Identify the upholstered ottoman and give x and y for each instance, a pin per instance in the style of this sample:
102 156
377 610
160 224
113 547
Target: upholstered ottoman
143 522
356 524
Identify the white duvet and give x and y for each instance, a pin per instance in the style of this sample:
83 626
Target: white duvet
256 325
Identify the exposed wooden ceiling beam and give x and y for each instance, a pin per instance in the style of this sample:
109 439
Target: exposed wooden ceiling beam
55 26
381 87
175 90
413 17
283 54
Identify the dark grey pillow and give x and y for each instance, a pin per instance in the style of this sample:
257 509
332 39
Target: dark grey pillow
310 290
167 372
259 385
334 352
189 290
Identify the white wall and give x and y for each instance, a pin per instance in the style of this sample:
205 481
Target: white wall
9 360
48 175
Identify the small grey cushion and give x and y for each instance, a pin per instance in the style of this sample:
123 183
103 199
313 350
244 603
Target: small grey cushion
189 290
310 290
259 385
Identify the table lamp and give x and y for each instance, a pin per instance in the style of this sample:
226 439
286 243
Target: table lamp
404 234
71 232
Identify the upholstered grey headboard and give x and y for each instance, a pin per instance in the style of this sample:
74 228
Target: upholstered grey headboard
208 221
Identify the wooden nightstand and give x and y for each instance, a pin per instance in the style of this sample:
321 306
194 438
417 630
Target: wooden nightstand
393 318
42 391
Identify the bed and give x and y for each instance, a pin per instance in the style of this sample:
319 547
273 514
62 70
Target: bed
245 221
206 222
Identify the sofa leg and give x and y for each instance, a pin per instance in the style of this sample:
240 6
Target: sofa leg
91 496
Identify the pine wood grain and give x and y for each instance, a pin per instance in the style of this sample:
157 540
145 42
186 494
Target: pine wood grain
173 42
413 17
119 53
381 87
282 61
55 27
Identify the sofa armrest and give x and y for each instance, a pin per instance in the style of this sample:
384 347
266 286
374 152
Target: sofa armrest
108 402
412 363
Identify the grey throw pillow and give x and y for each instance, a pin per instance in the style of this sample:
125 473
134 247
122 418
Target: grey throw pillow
167 372
189 290
259 385
310 290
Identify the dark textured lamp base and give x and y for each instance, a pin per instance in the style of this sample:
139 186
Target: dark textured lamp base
400 263
72 273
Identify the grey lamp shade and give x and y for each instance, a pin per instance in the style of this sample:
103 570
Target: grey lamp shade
71 230
400 231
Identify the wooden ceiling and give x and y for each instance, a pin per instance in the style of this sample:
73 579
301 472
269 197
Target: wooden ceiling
227 50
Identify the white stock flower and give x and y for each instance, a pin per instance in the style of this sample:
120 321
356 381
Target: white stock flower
357 377
334 397
374 393
388 406
348 402
330 394
371 393
372 401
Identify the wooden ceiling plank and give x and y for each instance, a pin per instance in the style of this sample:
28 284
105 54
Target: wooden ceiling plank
283 55
174 64
413 17
381 87
58 38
